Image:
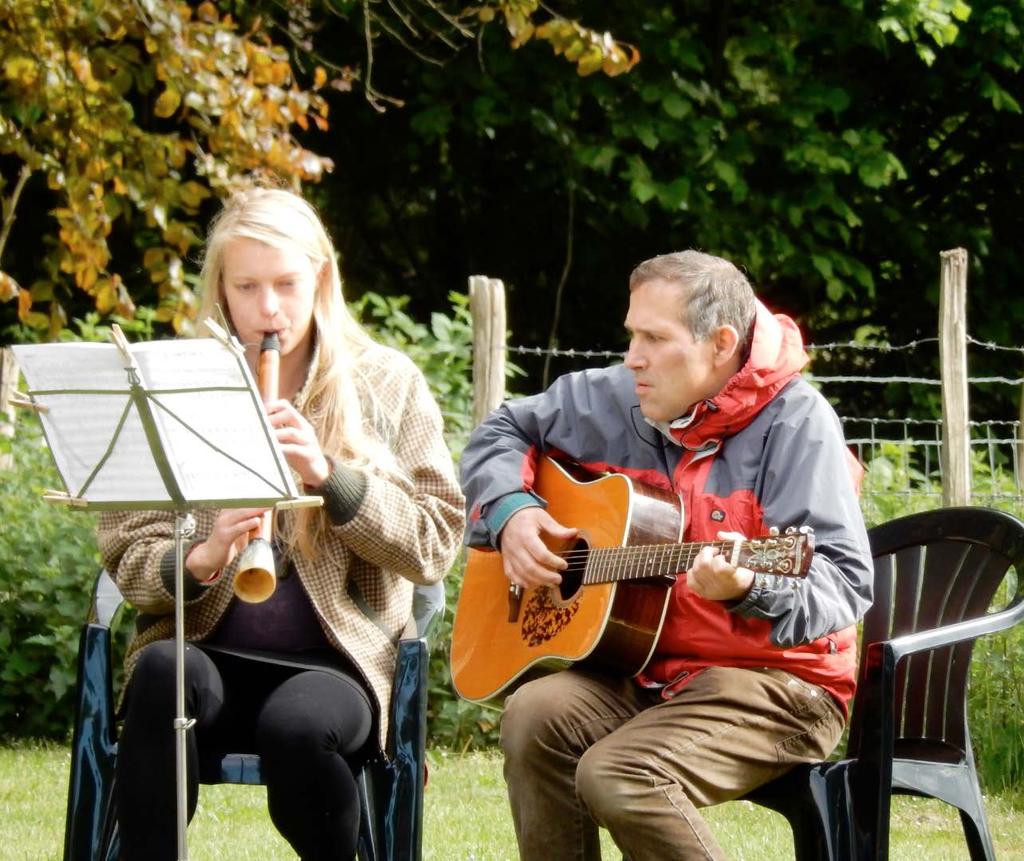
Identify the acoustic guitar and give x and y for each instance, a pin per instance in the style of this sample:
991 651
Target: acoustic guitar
611 603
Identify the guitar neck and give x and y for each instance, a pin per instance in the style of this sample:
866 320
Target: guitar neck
612 564
787 555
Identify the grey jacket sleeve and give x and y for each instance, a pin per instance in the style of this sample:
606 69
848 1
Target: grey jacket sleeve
499 461
805 479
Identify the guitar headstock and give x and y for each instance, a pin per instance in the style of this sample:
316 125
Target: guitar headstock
788 553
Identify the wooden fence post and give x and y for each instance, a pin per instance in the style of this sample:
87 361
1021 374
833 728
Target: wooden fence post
8 385
956 433
487 307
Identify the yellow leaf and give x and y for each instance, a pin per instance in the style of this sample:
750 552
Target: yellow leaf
86 278
154 257
8 287
22 69
523 34
280 73
192 194
486 14
58 319
319 77
591 61
574 50
167 103
83 71
24 303
207 12
125 305
106 298
42 291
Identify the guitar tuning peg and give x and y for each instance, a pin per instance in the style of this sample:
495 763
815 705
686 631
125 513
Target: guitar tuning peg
790 530
807 530
773 531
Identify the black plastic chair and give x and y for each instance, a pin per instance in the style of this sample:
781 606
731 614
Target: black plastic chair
390 790
936 575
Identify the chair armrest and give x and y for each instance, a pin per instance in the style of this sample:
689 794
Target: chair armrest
878 683
949 635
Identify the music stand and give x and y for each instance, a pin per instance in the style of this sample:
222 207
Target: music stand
161 425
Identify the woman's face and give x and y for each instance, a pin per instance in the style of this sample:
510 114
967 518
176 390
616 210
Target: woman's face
270 289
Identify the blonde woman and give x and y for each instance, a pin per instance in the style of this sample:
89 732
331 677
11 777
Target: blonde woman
302 679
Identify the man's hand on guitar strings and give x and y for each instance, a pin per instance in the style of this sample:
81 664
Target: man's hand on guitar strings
714 577
526 558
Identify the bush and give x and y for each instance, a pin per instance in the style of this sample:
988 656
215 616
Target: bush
443 351
48 563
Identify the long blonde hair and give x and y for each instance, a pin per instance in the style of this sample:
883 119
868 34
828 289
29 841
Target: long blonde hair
338 404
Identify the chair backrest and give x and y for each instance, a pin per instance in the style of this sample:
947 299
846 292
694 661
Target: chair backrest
106 600
934 569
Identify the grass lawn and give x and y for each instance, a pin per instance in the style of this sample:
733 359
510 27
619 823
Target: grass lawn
466 818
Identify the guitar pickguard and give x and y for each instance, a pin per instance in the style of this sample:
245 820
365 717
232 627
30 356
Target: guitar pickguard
543 619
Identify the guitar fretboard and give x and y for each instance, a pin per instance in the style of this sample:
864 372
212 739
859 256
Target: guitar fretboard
609 564
777 555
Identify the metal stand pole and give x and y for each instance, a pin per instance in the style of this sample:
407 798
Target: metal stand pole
184 527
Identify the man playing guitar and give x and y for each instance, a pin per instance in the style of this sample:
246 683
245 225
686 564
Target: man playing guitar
751 673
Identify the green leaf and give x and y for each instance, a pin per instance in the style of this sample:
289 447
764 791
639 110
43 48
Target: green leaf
676 106
823 265
645 134
726 172
599 157
433 122
675 194
835 289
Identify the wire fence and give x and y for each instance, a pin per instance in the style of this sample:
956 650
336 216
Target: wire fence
902 455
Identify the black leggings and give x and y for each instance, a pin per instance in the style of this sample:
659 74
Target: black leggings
310 728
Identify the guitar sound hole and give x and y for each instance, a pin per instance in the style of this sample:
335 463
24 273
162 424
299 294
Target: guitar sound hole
572 577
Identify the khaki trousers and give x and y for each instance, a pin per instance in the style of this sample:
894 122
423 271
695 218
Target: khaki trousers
583 750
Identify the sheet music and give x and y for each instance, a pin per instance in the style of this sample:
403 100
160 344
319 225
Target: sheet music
210 423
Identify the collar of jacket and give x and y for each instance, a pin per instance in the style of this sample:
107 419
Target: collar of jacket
776 356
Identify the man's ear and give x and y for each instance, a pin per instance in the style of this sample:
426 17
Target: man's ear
726 342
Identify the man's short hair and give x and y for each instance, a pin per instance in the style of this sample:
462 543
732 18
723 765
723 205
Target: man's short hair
715 292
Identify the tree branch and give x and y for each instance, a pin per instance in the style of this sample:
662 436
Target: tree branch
10 204
372 96
569 234
457 25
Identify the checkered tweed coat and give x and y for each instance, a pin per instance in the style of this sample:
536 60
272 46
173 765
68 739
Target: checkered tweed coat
361 584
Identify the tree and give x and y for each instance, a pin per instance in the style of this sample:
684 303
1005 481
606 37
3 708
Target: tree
122 117
831 149
125 116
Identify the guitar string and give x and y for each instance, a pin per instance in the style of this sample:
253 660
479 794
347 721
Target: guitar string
678 557
652 548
